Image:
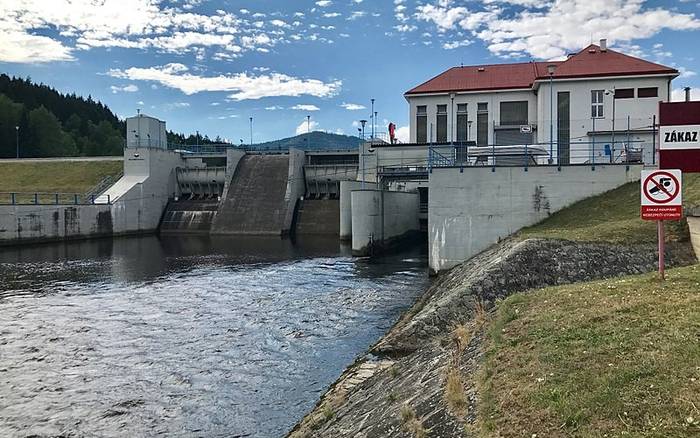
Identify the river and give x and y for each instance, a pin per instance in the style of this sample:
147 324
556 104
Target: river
186 336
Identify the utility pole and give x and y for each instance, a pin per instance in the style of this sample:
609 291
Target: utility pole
17 139
362 151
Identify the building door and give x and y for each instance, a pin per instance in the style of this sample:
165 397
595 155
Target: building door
563 128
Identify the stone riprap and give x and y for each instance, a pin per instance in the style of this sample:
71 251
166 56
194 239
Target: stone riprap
408 366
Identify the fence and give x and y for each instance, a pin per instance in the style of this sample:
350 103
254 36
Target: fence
42 198
586 153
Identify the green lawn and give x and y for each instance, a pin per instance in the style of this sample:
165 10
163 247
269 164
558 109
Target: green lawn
63 177
602 359
612 217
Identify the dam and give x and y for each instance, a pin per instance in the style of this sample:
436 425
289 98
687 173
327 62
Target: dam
456 198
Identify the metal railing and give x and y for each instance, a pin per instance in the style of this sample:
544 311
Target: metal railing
580 153
102 186
43 198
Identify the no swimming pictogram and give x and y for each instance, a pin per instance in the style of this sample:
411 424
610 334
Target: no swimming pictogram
662 195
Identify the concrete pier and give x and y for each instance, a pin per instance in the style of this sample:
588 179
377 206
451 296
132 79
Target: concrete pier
381 218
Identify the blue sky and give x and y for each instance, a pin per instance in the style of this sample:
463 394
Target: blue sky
209 65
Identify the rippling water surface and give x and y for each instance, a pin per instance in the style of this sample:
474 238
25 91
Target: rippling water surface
185 336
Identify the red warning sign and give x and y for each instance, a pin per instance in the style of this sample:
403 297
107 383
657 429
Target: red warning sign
662 195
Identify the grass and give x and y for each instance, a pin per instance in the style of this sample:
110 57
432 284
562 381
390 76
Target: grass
412 424
602 359
55 177
613 217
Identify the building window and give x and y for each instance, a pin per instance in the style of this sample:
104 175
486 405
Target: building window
441 134
514 113
597 103
482 124
624 93
648 92
421 124
462 122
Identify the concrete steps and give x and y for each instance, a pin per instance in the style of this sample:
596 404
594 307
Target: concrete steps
319 216
255 202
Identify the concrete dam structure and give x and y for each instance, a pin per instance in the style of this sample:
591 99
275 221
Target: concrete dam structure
255 201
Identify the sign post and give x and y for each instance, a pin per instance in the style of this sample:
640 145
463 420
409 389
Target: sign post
662 199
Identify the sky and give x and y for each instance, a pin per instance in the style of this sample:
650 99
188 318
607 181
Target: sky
210 65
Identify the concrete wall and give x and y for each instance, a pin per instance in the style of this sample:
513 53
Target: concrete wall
346 188
470 211
296 186
379 218
694 225
140 197
233 157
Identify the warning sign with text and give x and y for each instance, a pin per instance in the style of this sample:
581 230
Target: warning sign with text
662 195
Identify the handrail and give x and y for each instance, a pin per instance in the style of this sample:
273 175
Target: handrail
51 198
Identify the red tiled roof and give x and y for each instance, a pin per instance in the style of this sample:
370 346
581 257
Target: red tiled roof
589 62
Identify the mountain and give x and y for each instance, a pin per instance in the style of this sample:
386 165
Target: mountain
314 141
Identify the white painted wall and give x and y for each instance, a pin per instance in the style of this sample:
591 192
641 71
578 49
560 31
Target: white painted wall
470 211
493 98
146 131
640 110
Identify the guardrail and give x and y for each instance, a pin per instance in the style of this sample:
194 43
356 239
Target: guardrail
591 153
42 198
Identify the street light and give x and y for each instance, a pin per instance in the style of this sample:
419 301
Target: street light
452 116
608 93
550 70
371 117
17 139
362 150
251 132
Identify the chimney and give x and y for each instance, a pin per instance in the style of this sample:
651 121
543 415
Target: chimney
603 45
687 94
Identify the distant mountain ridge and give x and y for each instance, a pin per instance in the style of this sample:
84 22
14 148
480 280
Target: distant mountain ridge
313 141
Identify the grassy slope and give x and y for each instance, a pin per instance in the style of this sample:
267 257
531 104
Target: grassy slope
63 177
612 217
610 358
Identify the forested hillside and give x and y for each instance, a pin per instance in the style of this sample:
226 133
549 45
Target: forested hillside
52 124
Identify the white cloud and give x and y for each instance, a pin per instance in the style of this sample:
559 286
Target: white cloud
306 126
456 44
678 94
243 85
306 108
169 27
547 29
323 3
131 88
353 106
403 134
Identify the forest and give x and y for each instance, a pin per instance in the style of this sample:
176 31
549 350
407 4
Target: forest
38 121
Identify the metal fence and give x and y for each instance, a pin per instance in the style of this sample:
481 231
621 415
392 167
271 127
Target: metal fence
43 198
580 153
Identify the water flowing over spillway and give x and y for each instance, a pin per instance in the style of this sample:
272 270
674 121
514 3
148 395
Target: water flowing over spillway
185 336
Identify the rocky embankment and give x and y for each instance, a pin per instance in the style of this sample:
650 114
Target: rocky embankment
399 389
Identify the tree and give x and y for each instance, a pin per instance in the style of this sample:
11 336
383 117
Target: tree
10 115
48 138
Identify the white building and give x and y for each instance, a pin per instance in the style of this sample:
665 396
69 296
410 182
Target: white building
145 132
599 105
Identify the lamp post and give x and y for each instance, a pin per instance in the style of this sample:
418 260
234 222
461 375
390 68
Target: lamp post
372 117
251 132
550 70
612 92
17 139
